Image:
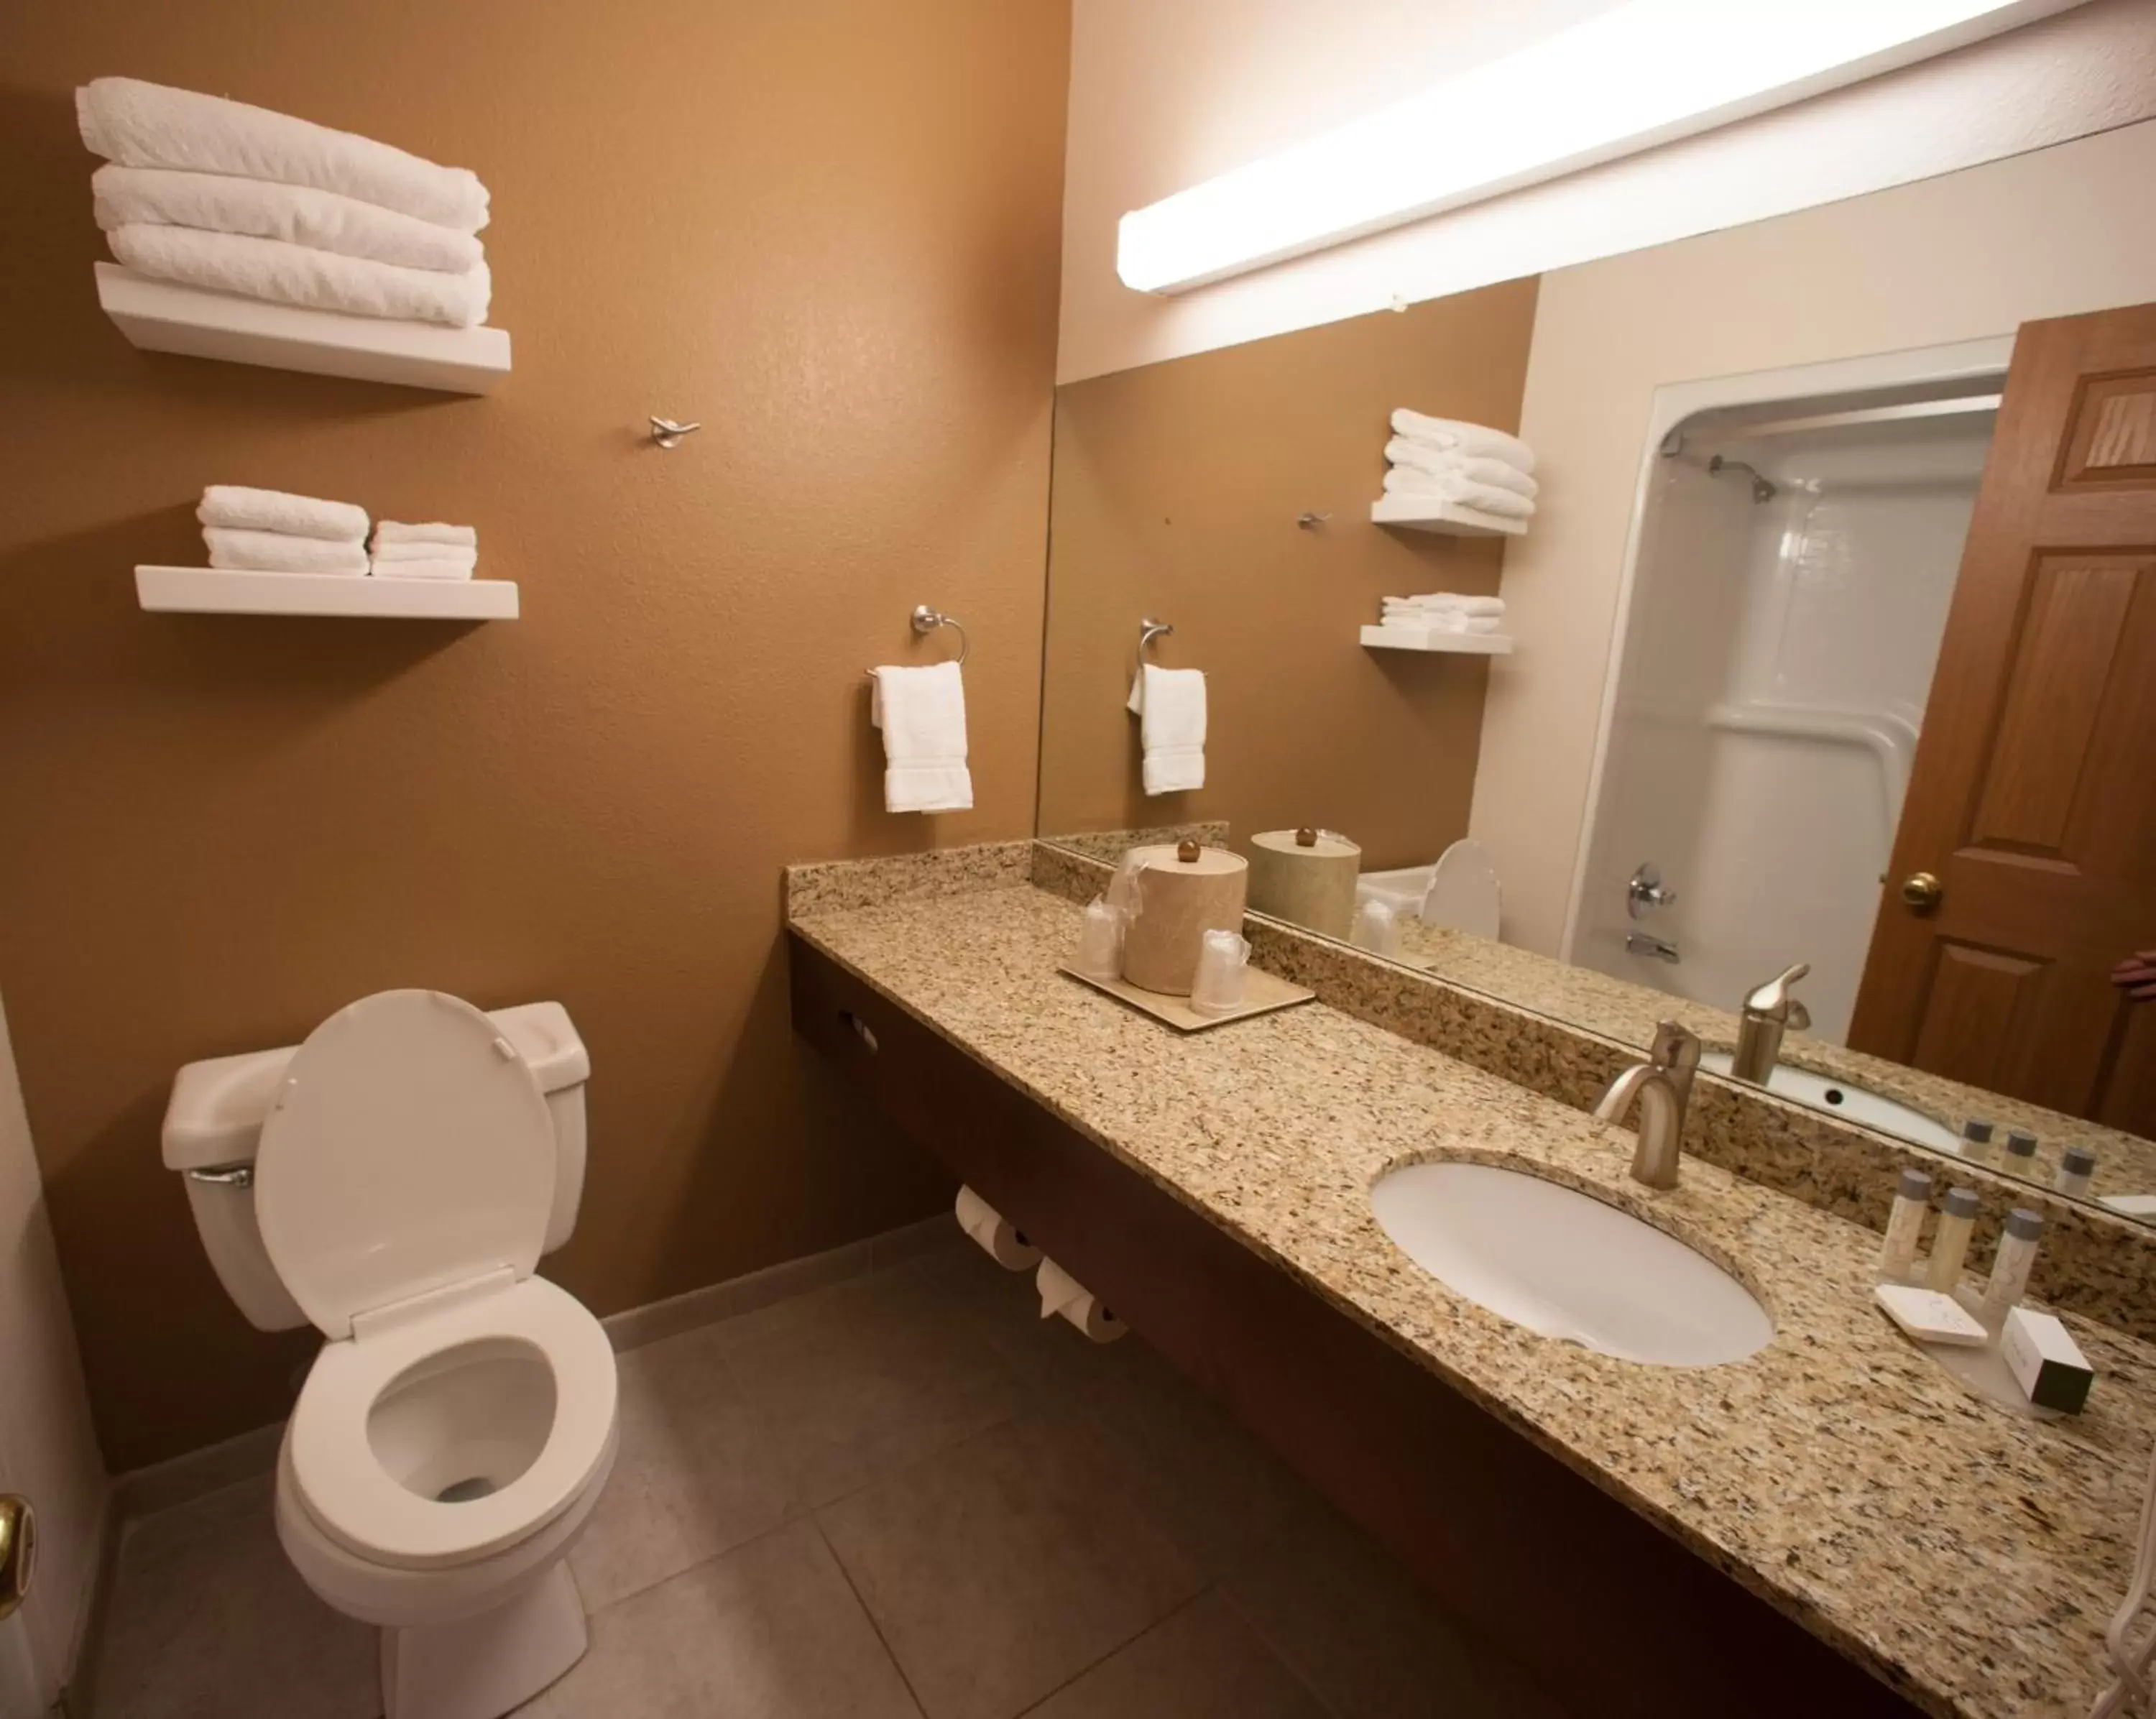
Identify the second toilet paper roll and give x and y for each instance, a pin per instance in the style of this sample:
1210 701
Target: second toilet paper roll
995 1235
1062 1296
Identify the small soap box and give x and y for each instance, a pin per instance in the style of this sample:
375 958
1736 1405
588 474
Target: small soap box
2046 1361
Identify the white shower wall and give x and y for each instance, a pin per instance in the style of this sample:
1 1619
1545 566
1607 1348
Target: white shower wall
1775 670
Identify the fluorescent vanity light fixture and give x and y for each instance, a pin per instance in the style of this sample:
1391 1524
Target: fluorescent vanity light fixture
1644 73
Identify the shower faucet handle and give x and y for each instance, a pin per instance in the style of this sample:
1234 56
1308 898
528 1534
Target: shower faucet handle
1646 891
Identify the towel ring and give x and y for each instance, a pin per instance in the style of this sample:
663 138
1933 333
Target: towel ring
1148 630
926 620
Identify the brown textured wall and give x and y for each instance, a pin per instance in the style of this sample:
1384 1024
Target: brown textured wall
829 230
1176 487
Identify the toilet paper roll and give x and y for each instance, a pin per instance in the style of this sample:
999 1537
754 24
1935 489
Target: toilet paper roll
995 1235
1062 1296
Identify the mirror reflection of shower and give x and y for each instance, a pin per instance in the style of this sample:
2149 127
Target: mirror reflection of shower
1794 571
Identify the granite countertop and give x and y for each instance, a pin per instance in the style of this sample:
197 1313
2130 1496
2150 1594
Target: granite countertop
1965 1555
1617 1009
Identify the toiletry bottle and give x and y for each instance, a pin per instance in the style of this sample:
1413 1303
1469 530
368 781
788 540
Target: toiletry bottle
1897 1254
1950 1244
1977 1145
2021 1154
2009 1266
2076 1166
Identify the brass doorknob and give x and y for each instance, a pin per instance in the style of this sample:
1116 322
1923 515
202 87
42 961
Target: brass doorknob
1922 890
18 1551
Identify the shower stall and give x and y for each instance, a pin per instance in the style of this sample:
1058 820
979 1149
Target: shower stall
1792 569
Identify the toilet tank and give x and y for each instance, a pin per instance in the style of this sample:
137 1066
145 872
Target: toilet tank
213 1124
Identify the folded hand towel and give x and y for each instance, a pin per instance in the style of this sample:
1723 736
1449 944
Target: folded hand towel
242 508
390 554
293 274
1452 435
275 553
922 715
390 530
1404 480
296 214
141 124
433 567
1446 603
1420 456
1170 706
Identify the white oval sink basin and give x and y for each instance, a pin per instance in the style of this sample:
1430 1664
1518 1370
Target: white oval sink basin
1839 1098
1564 1263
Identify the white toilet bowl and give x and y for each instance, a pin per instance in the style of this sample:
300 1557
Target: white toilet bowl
433 1477
459 1425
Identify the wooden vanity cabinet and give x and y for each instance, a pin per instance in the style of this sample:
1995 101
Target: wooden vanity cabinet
1612 1614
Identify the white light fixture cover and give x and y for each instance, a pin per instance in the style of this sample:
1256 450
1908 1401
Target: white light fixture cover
1645 72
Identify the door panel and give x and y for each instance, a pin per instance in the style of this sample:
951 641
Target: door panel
2033 794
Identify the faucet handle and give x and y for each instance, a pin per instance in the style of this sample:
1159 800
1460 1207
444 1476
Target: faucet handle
1675 1047
1800 1018
1774 997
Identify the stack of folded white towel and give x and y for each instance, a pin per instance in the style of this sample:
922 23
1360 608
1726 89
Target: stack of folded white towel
423 551
217 194
1468 464
1417 618
268 531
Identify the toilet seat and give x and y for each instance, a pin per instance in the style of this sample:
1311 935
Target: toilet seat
341 1481
1464 893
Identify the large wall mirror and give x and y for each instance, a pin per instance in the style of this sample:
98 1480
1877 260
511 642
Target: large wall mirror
1829 644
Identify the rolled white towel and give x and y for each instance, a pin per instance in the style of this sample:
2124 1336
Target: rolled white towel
296 214
277 552
390 554
390 530
293 274
1486 498
433 567
238 508
142 125
1456 435
1476 468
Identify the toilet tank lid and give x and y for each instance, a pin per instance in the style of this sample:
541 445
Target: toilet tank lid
215 1114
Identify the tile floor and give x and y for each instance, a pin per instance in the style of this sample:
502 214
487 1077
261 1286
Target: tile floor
901 1495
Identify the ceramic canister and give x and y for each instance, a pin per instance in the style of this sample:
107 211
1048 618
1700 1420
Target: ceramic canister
1305 876
1184 891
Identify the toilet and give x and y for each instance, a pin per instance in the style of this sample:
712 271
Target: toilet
1461 892
395 1181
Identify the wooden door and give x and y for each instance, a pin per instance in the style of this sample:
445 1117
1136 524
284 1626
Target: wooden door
2033 796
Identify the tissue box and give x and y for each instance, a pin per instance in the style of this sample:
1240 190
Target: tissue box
2043 1357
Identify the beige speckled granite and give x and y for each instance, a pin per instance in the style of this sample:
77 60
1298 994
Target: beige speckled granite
1618 1009
896 877
1964 1556
2092 1261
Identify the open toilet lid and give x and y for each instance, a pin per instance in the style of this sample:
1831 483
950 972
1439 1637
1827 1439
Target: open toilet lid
1463 891
409 1148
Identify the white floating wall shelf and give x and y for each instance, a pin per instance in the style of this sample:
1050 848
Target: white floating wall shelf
1430 639
212 590
163 317
1449 518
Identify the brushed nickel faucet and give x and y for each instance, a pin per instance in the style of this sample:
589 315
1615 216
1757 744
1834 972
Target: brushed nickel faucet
1770 1011
1663 1085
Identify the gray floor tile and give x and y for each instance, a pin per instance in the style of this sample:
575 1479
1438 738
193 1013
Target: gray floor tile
697 1471
863 1378
770 1631
1204 1662
209 1620
1002 1568
1364 1636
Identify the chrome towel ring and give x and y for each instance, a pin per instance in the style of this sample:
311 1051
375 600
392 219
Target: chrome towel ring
926 620
1148 630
